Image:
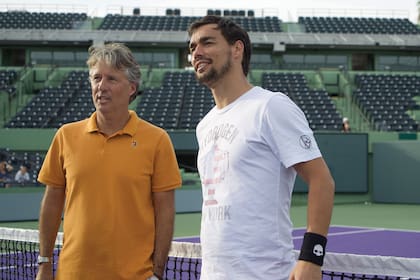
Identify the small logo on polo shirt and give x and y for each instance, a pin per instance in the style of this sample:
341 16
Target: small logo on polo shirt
134 144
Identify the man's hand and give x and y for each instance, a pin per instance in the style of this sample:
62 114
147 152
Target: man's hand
45 272
306 271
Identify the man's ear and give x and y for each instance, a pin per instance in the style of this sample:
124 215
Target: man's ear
134 88
238 48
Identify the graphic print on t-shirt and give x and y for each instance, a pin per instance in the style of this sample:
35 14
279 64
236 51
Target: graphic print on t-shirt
215 168
214 163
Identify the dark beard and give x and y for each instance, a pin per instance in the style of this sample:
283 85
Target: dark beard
213 76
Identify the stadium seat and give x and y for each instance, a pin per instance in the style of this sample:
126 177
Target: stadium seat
179 103
358 25
54 106
35 20
175 22
136 11
385 100
7 80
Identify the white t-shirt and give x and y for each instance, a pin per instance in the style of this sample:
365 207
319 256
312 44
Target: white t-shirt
22 177
246 153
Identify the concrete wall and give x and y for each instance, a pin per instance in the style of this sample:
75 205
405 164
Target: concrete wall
25 206
20 206
347 157
396 172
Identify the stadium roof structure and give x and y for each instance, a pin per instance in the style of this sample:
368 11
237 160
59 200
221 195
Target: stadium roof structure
278 40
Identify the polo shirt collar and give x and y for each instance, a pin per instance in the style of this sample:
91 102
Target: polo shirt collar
130 128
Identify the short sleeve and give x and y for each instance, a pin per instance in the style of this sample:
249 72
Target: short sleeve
166 175
287 131
52 171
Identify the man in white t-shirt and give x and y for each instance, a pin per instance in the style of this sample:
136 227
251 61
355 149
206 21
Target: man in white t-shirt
22 176
251 146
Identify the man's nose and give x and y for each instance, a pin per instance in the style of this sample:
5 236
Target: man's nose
102 84
197 53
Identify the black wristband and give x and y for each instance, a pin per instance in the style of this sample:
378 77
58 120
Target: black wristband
313 248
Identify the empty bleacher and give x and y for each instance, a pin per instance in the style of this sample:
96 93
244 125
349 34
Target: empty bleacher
259 24
149 23
79 105
181 23
174 21
316 104
387 99
38 112
358 25
54 106
7 79
231 13
41 20
179 103
387 102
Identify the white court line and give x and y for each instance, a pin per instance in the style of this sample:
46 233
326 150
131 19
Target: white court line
385 229
185 237
349 232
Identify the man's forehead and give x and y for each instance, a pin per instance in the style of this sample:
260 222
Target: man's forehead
102 66
206 29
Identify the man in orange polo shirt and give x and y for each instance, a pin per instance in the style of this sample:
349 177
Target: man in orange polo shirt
114 175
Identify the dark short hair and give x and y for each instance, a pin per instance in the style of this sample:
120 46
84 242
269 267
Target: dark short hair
27 165
231 31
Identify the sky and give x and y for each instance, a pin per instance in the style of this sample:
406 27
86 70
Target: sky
287 11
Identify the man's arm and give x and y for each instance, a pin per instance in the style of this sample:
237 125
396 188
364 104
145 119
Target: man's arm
320 204
164 205
49 221
321 194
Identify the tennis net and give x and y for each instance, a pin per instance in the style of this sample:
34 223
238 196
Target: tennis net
19 250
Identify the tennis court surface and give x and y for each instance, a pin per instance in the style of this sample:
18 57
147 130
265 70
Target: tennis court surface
353 253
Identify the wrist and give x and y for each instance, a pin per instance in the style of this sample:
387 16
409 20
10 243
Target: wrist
158 276
313 248
44 260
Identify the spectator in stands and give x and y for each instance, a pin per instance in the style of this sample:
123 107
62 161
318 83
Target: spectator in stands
22 175
346 125
116 175
5 172
251 146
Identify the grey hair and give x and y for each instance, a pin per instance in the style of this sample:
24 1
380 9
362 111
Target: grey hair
118 56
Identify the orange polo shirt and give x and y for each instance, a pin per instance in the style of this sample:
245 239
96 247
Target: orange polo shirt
109 218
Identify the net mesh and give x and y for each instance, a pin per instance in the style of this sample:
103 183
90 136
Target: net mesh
19 250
